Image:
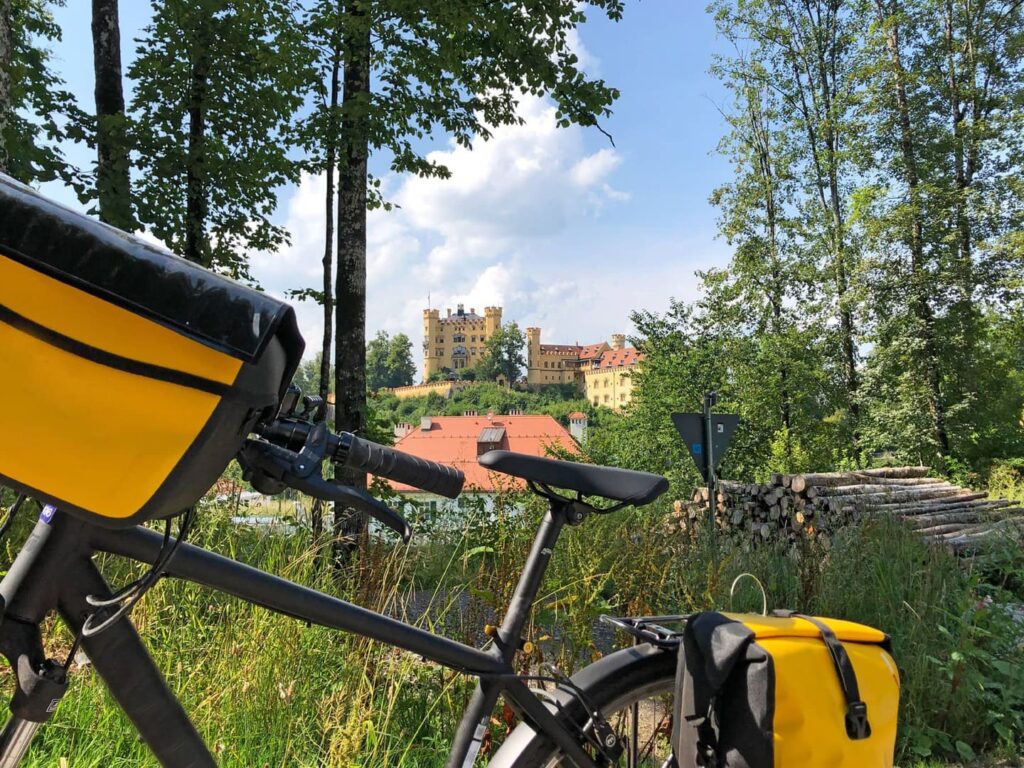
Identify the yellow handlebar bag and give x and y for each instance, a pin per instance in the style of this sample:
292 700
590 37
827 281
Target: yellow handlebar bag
130 377
784 691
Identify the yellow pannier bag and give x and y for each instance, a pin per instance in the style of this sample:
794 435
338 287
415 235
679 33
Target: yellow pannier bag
784 691
130 377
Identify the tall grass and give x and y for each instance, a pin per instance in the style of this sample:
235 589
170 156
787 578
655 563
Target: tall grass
266 690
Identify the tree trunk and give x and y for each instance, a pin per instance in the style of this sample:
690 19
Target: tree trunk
919 277
350 293
196 204
113 185
328 261
765 169
6 108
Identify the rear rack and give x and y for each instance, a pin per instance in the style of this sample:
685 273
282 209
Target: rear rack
650 629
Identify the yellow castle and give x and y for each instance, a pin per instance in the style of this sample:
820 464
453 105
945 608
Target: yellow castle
456 341
602 371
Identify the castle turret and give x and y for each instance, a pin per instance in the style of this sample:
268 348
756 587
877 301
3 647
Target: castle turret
492 320
532 348
431 331
618 340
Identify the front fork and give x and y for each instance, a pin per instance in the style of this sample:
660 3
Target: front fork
40 683
54 571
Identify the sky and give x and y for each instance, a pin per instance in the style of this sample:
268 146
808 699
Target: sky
558 226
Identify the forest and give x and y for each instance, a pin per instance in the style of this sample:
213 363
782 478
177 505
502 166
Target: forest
872 311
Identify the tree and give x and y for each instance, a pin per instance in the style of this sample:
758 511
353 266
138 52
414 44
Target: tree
389 361
113 187
805 53
503 355
37 114
6 103
457 68
319 135
217 88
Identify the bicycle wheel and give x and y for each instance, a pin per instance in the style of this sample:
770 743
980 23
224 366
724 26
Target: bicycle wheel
632 689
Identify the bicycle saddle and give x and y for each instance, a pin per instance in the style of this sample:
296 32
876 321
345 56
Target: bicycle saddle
625 485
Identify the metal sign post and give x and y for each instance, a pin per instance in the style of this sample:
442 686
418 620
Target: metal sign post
707 437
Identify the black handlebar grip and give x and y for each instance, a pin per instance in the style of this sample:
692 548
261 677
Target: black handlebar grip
386 462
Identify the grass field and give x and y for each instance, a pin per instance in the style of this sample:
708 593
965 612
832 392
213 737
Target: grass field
268 691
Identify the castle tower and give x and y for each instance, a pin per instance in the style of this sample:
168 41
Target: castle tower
618 340
431 331
532 350
492 320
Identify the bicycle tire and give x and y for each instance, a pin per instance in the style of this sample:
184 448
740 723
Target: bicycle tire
610 684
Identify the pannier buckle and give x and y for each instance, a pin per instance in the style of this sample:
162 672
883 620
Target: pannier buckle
857 725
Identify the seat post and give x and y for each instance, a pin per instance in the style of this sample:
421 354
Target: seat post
510 633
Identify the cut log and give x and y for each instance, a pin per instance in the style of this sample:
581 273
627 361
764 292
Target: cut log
910 494
898 472
961 498
862 489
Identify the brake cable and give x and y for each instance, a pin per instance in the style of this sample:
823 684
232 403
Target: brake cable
8 521
129 595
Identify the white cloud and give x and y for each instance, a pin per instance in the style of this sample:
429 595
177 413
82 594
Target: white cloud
511 227
594 168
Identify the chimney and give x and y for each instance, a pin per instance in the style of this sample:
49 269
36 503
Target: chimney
470 413
578 426
426 423
403 429
472 310
449 311
490 415
515 412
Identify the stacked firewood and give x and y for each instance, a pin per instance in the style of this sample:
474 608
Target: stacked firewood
816 505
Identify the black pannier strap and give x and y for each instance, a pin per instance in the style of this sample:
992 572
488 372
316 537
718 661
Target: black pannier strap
857 725
102 357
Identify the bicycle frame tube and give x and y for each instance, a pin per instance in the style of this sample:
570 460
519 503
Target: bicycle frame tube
62 575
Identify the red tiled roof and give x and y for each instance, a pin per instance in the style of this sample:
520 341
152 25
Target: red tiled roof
592 350
559 349
618 358
453 440
577 415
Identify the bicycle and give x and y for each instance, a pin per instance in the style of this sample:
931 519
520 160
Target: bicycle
588 720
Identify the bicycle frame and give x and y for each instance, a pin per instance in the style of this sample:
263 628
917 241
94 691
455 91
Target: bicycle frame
54 570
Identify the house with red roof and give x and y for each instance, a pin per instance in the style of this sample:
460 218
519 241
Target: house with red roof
460 440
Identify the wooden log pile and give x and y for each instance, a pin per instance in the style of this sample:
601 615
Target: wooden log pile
790 507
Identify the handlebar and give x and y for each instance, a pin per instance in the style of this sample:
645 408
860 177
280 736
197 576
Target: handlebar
359 453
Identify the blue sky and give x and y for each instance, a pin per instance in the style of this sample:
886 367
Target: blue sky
562 229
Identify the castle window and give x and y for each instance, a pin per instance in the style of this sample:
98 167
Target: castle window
606 398
473 338
439 351
440 339
458 338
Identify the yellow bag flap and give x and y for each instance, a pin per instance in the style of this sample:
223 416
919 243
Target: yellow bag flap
765 627
92 321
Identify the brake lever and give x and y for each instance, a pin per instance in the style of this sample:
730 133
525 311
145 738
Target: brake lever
346 495
270 469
